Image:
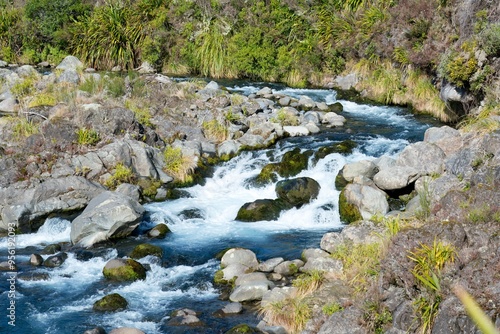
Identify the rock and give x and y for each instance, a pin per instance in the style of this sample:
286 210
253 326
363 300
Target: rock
51 249
3 64
252 141
6 266
369 201
27 71
145 68
288 268
264 91
32 276
229 273
110 303
126 330
250 291
8 106
336 107
228 149
298 191
109 215
243 329
363 232
55 260
36 260
143 250
269 265
312 116
296 131
293 162
284 101
306 103
129 190
384 162
232 308
325 264
261 209
427 158
124 270
69 76
278 294
346 82
159 231
313 253
241 256
344 147
28 208
312 128
359 168
447 138
96 330
331 119
185 317
396 177
70 63
344 322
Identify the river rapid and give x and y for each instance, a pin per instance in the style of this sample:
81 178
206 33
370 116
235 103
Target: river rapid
202 224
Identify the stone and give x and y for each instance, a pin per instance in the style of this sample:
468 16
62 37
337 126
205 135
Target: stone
296 131
228 148
396 177
249 292
427 158
145 68
70 63
306 103
447 138
230 272
362 232
324 264
297 191
370 201
8 106
124 270
159 231
69 76
261 209
232 308
110 303
269 265
129 190
55 260
241 256
312 116
346 82
244 329
359 168
313 253
51 249
264 91
331 119
143 250
126 330
278 294
344 322
109 215
27 71
36 260
336 107
96 330
288 268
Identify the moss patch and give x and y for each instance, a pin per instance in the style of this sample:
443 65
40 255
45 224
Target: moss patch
143 250
110 303
348 212
129 270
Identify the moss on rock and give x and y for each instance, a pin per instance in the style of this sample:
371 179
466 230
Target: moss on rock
143 250
348 212
261 209
110 303
293 162
243 329
345 147
159 231
124 270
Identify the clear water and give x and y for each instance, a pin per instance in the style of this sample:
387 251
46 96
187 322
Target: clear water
202 224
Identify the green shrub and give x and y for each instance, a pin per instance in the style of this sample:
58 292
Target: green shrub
215 131
122 174
23 128
332 308
178 165
87 136
42 100
489 40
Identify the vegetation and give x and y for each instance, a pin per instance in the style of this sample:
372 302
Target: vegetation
122 174
178 165
87 136
292 313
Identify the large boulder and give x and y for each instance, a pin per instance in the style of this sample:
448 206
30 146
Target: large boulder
28 207
447 138
70 63
426 157
110 303
109 215
250 286
261 209
396 177
298 191
359 168
368 200
241 256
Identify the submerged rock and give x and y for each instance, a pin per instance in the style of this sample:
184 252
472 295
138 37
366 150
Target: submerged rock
298 191
143 250
159 231
261 209
55 260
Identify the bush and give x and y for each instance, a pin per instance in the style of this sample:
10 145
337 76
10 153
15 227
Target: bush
489 40
122 174
178 165
87 137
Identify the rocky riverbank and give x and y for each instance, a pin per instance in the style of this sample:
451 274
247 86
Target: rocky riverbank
94 147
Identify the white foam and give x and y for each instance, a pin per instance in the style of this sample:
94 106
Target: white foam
54 230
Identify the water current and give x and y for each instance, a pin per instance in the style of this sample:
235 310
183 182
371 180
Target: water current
202 224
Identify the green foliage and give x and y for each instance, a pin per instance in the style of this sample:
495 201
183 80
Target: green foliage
114 85
87 136
489 39
178 165
110 36
377 317
42 100
23 128
122 174
425 202
483 322
23 88
212 52
91 85
285 118
142 114
309 282
291 313
332 308
348 212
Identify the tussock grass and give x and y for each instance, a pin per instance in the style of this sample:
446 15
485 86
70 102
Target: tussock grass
178 165
122 174
291 313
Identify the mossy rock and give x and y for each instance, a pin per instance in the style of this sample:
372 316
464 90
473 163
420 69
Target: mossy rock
298 191
268 174
51 249
124 270
348 212
243 329
345 147
143 250
149 187
293 162
340 181
219 278
110 303
159 231
337 107
261 209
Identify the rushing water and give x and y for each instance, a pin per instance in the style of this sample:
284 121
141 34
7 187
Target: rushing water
202 224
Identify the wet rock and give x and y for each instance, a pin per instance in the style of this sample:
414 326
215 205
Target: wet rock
6 266
33 276
185 317
97 330
249 291
110 303
51 249
159 231
244 329
232 308
344 147
36 260
143 250
109 215
269 265
298 191
261 209
55 260
124 270
126 330
229 273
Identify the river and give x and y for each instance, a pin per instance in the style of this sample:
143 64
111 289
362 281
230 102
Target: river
202 224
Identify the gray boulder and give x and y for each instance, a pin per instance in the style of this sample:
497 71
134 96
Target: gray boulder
359 168
241 256
269 265
396 177
325 264
26 71
109 215
346 82
447 138
296 131
69 76
344 322
427 158
228 148
305 102
331 119
126 330
8 106
370 201
278 294
362 232
250 287
298 191
288 268
70 63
